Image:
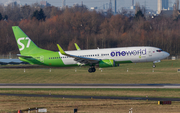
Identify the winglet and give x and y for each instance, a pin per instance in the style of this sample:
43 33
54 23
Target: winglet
77 47
61 50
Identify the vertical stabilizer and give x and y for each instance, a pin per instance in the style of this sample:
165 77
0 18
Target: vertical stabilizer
25 45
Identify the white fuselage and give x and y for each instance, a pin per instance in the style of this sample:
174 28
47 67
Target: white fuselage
123 54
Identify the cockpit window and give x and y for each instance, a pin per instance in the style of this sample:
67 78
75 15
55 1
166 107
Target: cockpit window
160 50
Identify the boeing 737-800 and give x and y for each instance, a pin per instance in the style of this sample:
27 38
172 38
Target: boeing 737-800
109 57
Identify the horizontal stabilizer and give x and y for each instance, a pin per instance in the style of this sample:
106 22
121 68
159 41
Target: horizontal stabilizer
19 55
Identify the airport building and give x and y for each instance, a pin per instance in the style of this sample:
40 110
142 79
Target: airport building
162 5
133 5
44 4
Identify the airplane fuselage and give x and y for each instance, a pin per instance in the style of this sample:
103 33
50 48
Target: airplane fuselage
119 55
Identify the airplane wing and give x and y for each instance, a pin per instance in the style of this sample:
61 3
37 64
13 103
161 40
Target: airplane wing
77 47
79 58
19 55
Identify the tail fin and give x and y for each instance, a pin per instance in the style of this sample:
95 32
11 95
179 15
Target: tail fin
25 45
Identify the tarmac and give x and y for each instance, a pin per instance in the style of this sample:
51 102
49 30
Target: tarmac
2 85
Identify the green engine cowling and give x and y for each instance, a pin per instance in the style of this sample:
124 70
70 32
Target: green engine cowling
107 63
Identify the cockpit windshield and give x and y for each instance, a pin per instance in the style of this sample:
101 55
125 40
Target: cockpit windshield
160 50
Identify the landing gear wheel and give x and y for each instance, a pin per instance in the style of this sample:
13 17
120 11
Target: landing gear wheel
154 65
93 69
90 70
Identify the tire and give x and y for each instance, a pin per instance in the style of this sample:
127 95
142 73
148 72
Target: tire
90 70
94 70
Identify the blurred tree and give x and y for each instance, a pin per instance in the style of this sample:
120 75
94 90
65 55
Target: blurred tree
42 15
39 15
90 29
139 14
36 14
26 11
1 17
13 13
5 17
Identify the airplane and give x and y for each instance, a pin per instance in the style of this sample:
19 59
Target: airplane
108 57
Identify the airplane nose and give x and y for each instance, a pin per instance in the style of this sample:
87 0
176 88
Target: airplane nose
166 54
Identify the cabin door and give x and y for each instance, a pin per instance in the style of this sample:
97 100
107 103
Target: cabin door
150 52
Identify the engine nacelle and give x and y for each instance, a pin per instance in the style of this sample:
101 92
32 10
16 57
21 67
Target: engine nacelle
107 63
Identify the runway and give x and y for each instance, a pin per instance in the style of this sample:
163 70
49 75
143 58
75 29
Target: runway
92 97
4 85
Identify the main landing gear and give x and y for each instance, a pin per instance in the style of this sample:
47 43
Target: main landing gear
92 69
154 65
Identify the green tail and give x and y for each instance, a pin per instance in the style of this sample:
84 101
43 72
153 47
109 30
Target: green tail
25 45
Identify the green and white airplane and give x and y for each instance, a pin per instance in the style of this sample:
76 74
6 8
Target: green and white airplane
109 57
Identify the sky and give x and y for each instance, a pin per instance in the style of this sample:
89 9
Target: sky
150 4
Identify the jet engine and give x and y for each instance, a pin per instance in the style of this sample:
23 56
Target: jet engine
107 63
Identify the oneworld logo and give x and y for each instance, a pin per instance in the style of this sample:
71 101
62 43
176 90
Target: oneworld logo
128 53
21 44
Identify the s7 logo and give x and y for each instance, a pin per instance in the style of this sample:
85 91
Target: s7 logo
21 44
